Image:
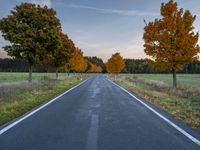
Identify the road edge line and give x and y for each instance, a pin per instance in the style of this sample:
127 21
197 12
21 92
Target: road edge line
4 129
189 136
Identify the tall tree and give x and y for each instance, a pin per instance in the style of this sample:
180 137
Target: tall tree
33 31
171 41
77 62
115 64
60 57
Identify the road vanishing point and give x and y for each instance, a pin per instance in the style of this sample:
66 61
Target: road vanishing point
97 115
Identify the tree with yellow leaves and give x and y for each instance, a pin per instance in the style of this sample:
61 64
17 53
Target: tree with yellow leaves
171 41
93 68
77 62
115 64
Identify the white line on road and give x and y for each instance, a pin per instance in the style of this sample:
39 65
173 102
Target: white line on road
93 133
161 116
38 109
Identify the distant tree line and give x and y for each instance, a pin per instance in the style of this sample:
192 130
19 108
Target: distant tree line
20 65
131 66
89 64
95 60
142 66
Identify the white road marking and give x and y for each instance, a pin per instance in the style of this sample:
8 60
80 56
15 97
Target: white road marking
93 133
38 109
189 136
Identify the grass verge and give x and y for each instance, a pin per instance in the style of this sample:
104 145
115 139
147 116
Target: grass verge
18 98
183 102
10 77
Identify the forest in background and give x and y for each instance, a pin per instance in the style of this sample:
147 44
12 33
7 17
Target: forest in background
131 66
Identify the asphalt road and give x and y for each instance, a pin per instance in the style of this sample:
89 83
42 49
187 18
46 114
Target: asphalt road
97 115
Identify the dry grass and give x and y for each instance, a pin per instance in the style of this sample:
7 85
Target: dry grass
18 98
183 102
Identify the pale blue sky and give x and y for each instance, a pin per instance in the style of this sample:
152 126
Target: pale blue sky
102 27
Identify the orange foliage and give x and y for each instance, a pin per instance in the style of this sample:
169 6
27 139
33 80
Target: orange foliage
92 68
77 62
115 64
170 41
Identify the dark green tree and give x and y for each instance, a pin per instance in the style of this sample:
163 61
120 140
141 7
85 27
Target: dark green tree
60 56
32 31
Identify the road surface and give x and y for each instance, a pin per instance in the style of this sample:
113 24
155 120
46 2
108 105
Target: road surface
97 115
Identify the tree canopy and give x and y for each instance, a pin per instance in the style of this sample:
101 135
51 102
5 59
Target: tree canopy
77 62
115 64
60 57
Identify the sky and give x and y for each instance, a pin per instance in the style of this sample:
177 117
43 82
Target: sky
103 27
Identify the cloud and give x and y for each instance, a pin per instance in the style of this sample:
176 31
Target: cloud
113 11
42 2
93 46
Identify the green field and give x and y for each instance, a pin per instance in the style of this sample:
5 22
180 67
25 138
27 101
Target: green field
7 77
182 102
192 80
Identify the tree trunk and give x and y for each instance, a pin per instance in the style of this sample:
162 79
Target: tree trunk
174 79
30 73
81 75
56 72
67 72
